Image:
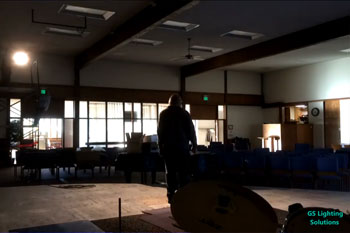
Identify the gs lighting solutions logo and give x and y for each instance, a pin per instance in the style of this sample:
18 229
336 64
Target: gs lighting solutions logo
321 217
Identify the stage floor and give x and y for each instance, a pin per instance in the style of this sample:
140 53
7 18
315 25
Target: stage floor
28 206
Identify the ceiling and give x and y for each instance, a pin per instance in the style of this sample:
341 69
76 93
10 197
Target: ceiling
271 18
18 31
327 51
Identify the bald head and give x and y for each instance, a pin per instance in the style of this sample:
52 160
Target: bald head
175 100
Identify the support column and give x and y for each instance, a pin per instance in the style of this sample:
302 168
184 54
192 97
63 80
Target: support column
76 105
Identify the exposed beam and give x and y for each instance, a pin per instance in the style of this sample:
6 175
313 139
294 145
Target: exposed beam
149 17
296 40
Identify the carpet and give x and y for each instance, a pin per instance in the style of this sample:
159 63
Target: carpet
156 223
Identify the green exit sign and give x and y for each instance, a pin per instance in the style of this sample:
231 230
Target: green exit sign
205 97
43 91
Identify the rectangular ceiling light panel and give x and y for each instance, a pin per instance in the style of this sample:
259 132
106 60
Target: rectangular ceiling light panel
65 32
181 26
86 12
243 34
345 50
146 42
205 49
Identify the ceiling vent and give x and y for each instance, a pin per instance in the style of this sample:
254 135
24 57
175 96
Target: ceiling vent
65 32
86 12
205 49
180 26
243 35
146 42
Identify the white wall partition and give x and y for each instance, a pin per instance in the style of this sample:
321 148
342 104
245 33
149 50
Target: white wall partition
326 80
318 123
118 74
247 122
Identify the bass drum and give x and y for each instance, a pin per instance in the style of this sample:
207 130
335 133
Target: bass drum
300 221
221 206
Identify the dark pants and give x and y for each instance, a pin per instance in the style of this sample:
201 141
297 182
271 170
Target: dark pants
178 172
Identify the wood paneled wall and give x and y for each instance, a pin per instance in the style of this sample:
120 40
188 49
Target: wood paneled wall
29 108
331 122
202 112
134 95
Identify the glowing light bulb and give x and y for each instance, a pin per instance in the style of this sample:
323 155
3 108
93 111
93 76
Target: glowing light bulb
20 58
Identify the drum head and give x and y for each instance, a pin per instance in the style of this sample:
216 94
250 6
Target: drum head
221 206
317 219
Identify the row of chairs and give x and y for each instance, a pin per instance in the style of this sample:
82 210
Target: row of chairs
36 160
315 167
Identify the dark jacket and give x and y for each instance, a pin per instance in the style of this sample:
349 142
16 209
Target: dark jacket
175 130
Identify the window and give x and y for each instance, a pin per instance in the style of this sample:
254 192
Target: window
161 107
15 108
50 133
97 122
69 109
115 128
69 114
83 124
149 118
107 123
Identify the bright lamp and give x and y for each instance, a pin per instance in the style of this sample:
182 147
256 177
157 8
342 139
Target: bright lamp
20 58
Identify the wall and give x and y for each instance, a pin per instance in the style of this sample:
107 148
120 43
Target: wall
326 80
214 82
318 124
118 74
243 83
210 82
247 122
57 70
270 115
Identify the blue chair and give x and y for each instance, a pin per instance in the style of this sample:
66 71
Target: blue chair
302 170
328 169
260 151
302 148
280 168
322 150
254 166
343 162
233 165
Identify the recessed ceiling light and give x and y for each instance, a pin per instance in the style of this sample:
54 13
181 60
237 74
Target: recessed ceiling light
65 32
345 50
86 12
175 25
146 42
243 34
301 106
205 49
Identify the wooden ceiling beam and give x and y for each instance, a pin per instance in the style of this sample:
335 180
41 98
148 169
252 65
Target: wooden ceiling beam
296 40
136 26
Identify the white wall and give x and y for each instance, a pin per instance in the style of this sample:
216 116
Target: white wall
270 115
318 124
210 82
243 83
118 74
247 122
326 80
53 69
214 82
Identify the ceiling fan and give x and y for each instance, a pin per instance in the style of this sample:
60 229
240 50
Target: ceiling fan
188 56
